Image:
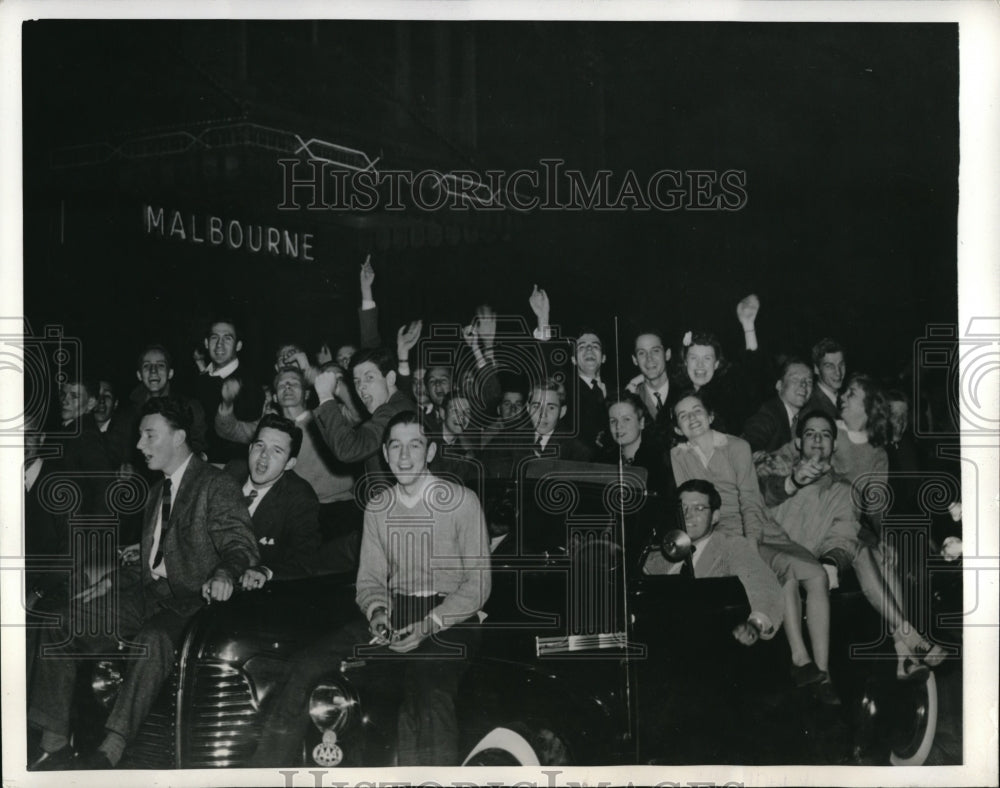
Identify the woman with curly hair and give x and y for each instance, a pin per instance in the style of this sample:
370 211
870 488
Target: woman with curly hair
726 462
862 431
860 458
635 444
730 389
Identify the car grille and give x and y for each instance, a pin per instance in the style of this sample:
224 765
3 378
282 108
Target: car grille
221 722
154 746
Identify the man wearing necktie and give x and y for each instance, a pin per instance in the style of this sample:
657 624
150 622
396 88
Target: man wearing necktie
586 415
197 541
283 506
652 385
774 424
722 555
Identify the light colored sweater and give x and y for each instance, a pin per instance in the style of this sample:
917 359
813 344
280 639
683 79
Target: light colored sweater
434 543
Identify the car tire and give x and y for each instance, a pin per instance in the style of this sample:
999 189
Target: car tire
925 708
502 747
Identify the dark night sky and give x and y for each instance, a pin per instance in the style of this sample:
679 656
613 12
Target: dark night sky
848 134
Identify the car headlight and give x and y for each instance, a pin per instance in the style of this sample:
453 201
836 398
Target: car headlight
106 681
333 706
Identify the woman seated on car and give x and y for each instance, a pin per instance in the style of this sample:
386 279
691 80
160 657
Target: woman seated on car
862 467
727 462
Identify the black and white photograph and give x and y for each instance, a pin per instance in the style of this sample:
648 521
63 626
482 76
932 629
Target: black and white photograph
445 394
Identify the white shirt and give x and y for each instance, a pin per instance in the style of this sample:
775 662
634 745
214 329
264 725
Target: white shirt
540 447
31 472
224 372
663 391
175 485
103 427
261 492
598 381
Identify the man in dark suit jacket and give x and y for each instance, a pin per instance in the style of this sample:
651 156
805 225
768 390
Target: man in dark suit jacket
546 409
196 543
773 425
374 374
114 424
283 506
73 457
223 345
585 392
830 369
650 354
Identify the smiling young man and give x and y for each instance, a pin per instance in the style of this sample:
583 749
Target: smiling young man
650 354
830 369
196 542
332 480
724 555
424 576
282 505
155 372
223 345
585 412
774 424
374 374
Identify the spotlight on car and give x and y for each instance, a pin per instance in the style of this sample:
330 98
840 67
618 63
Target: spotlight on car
676 545
106 681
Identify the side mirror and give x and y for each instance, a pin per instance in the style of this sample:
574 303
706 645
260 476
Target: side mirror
676 545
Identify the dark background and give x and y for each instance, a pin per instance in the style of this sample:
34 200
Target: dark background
848 134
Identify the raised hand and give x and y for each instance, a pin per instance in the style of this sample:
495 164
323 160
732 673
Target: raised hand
539 301
326 383
407 337
367 278
486 325
746 311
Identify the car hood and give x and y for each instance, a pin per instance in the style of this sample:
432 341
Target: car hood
279 618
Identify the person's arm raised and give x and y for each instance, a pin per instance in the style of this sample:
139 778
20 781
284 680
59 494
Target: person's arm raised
539 301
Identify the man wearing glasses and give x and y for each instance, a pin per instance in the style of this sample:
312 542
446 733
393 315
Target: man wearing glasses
724 555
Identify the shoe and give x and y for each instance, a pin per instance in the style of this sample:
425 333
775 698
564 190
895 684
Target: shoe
95 761
57 761
825 692
932 656
908 665
803 675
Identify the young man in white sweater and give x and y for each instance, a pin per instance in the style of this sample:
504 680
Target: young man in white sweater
424 577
